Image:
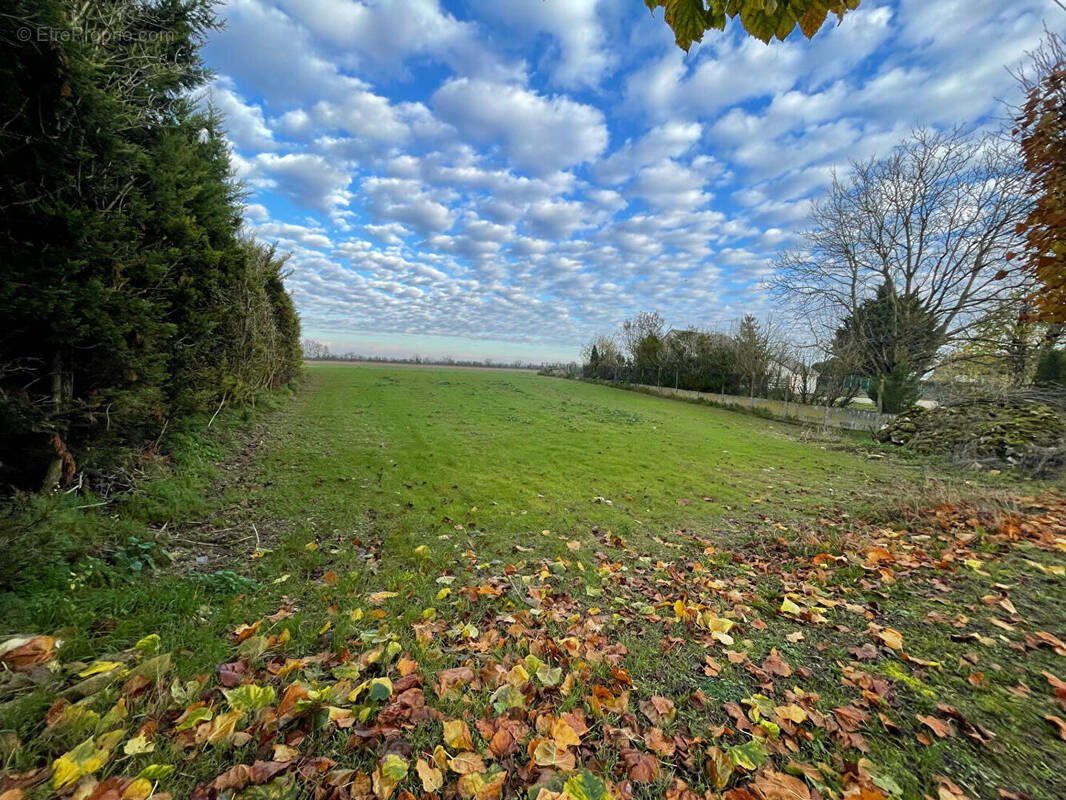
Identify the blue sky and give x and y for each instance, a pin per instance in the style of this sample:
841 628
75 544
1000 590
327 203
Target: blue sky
506 178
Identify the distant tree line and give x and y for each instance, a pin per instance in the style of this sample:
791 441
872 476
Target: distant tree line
314 350
129 295
754 360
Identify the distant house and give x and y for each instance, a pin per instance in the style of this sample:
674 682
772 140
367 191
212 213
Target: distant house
793 376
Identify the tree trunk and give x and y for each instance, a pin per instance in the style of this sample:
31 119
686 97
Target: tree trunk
62 466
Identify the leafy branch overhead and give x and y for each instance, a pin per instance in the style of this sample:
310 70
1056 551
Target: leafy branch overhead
763 19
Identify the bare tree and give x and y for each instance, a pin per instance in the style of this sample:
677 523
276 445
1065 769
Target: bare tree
602 358
643 339
935 220
314 350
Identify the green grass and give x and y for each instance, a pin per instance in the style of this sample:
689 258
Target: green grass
423 447
383 479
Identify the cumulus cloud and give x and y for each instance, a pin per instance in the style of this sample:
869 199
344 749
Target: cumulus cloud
306 179
537 133
579 55
534 171
407 202
245 124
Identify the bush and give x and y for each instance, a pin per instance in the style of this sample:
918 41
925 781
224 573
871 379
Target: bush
986 432
130 299
1051 369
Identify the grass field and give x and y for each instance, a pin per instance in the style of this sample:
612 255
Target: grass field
614 592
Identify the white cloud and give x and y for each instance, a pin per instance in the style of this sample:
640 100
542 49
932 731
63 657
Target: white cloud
539 134
452 188
579 55
555 219
307 180
727 70
245 124
406 202
670 140
669 184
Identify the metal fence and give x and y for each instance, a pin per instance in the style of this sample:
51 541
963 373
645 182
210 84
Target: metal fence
852 419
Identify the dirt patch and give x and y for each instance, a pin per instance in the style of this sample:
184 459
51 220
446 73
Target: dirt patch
236 531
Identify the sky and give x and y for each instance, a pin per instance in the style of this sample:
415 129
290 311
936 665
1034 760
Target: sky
505 179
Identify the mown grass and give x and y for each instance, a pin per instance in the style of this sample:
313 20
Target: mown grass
490 469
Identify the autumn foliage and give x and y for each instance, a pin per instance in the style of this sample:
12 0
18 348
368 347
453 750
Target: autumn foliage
763 19
1041 130
541 691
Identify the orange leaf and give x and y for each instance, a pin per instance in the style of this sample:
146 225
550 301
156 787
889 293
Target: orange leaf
642 767
1059 723
28 655
938 727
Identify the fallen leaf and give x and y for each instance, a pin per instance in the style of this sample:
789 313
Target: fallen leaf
940 728
431 777
466 763
24 653
457 735
1059 723
891 638
641 767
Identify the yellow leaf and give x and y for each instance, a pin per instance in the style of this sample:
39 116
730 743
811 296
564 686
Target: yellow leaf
149 645
788 607
99 666
892 638
140 789
457 735
564 735
518 675
432 778
467 763
84 759
138 745
388 774
219 728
